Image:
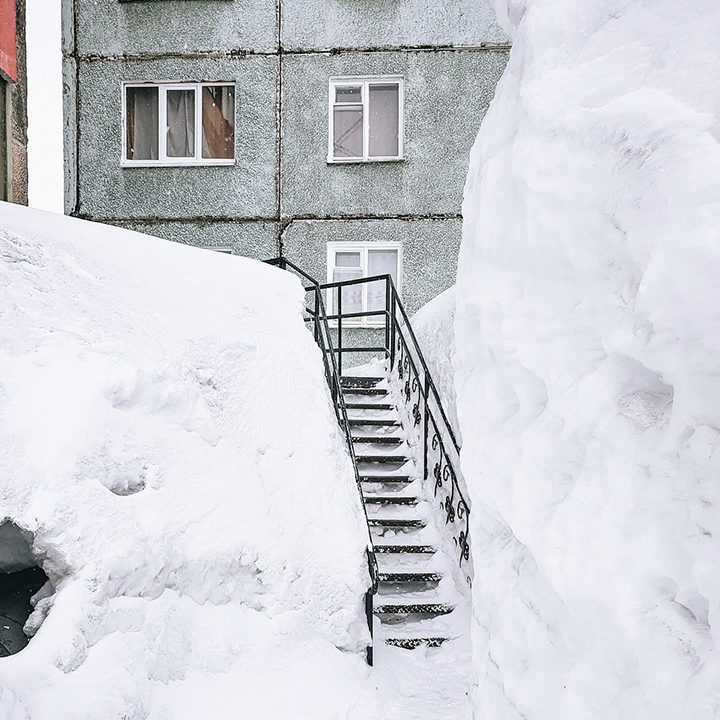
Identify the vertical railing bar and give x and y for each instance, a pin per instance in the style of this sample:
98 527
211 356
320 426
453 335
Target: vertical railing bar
339 327
317 312
387 315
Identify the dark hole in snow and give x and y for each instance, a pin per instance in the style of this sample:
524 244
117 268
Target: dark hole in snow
20 579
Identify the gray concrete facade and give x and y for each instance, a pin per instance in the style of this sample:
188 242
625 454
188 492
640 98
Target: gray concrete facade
281 195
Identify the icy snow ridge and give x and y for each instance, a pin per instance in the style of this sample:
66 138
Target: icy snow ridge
588 309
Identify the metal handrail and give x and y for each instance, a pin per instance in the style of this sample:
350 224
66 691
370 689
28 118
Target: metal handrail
396 298
332 374
400 338
406 359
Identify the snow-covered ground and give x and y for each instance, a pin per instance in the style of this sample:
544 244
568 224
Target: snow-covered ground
168 445
166 435
588 348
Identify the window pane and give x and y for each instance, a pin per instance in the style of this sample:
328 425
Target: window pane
348 95
384 115
218 121
351 296
347 259
380 262
181 123
141 123
348 132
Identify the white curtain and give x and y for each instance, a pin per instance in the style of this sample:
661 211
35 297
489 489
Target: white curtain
181 123
384 120
348 267
380 262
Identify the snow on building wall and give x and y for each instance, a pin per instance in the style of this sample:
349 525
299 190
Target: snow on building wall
587 334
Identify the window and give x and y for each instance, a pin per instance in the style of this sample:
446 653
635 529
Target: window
366 119
352 260
199 122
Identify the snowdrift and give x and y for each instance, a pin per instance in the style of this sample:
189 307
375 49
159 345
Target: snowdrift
433 325
168 446
588 348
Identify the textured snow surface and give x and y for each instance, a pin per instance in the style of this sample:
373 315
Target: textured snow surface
433 326
166 436
588 348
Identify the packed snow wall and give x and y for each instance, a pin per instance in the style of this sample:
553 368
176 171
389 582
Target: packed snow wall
170 457
588 349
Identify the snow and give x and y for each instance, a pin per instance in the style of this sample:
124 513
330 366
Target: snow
588 310
433 326
169 450
167 438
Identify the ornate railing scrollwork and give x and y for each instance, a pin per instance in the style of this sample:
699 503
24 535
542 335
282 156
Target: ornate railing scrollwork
440 448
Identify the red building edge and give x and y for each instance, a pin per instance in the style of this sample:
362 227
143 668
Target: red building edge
8 40
13 103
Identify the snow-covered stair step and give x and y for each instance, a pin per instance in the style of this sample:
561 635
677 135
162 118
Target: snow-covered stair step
360 381
369 406
402 524
411 643
364 391
397 549
379 458
391 500
397 583
392 481
378 439
373 422
395 612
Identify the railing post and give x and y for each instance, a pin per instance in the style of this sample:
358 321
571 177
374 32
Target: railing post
339 326
426 393
391 320
387 316
317 314
369 614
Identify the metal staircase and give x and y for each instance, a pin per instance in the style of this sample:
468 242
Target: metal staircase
406 462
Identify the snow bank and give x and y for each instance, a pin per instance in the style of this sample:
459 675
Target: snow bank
588 348
168 444
433 326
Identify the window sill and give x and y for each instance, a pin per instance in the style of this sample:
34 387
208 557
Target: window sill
188 163
363 161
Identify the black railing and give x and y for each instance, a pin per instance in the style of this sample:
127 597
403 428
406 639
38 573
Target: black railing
317 316
423 408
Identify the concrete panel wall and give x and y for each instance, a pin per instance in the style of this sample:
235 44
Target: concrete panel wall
245 190
323 24
253 239
446 95
109 27
430 250
70 133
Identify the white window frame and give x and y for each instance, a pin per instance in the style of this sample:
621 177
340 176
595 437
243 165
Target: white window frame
163 160
334 247
364 83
